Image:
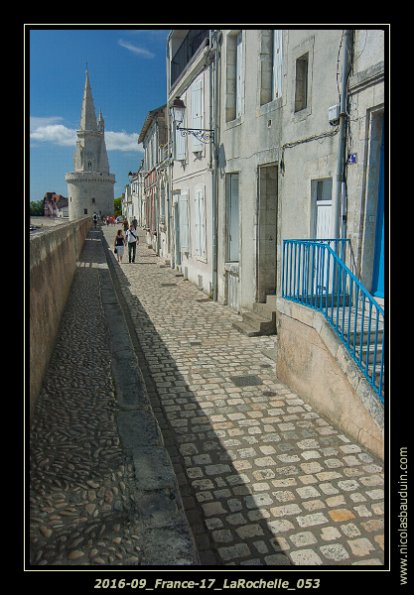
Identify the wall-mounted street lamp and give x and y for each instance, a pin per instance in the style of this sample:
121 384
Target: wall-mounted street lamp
177 109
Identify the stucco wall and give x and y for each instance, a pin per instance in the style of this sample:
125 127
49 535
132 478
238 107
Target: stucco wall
53 257
312 361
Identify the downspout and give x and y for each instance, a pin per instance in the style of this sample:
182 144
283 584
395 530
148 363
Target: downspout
340 189
214 154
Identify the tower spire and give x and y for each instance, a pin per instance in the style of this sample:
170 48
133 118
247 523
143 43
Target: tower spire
88 117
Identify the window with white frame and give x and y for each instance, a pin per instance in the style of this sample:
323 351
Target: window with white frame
200 223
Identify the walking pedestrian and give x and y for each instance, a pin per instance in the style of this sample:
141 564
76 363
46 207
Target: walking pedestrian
132 239
125 224
95 220
134 222
119 244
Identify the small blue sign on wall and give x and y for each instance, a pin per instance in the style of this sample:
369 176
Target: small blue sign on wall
352 158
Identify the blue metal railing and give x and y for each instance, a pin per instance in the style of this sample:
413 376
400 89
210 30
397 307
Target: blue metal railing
315 274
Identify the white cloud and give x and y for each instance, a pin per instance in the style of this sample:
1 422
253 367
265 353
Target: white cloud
122 141
44 130
135 49
36 122
56 134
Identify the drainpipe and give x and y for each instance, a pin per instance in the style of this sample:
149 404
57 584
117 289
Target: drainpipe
215 38
339 198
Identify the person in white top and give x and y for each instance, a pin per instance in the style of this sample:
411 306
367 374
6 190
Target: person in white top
132 239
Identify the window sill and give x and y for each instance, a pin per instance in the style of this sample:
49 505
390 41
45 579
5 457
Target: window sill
233 123
270 107
302 114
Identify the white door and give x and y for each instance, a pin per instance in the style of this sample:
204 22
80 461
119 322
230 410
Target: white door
322 201
322 230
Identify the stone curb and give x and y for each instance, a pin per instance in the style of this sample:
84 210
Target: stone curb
167 539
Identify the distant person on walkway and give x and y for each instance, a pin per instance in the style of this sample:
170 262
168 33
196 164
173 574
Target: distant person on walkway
125 224
95 220
135 223
119 244
132 238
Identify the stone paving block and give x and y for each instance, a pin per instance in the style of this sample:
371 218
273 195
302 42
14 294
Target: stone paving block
286 510
258 500
236 519
277 560
361 546
311 520
313 505
335 552
305 557
261 547
330 533
249 531
308 492
284 496
213 523
309 468
240 550
376 494
258 515
335 501
310 454
341 514
302 539
222 536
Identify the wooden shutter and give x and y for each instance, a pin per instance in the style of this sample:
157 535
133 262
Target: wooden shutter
277 63
180 145
197 112
184 227
239 75
200 222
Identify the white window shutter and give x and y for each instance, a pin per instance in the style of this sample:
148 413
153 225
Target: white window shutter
197 112
196 243
180 145
200 222
184 227
239 75
203 235
277 63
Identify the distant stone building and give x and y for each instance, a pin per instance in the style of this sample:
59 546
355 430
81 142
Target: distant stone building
90 185
55 205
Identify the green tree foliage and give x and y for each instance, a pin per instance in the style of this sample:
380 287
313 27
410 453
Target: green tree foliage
36 208
117 206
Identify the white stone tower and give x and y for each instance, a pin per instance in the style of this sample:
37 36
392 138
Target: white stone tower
90 185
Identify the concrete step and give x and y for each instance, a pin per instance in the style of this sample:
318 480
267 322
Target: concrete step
265 310
261 320
246 329
271 301
373 353
255 323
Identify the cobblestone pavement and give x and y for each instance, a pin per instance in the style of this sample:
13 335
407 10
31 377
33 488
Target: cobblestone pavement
265 480
86 505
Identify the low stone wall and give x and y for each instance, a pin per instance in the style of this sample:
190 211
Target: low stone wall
53 256
313 362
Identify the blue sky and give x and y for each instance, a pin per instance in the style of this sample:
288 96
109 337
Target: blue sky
127 70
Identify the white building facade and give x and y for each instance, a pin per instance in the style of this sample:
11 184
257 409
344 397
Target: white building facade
192 166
